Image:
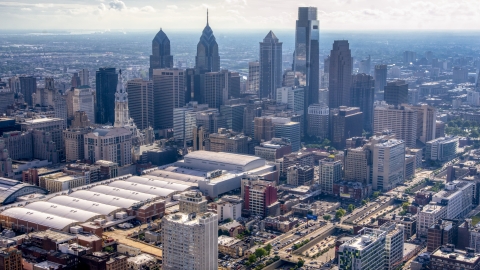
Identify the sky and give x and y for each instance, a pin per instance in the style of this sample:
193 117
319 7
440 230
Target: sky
238 14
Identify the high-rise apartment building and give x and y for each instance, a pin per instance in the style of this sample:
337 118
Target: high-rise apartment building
426 122
258 198
380 78
270 66
293 97
402 121
161 57
106 86
357 165
207 51
28 86
14 84
253 81
363 95
140 102
306 55
396 93
168 93
330 172
190 241
345 122
318 121
340 75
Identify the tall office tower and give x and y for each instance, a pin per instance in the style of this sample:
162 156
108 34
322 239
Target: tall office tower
75 81
106 86
460 75
83 99
53 126
364 66
345 122
270 66
426 122
161 57
233 116
140 102
7 98
60 105
330 172
288 78
195 83
396 93
252 110
289 130
84 75
340 75
28 86
306 55
318 121
357 165
363 95
14 84
169 93
388 166
190 241
380 78
364 251
253 83
326 65
263 129
323 97
400 121
293 97
221 86
477 82
409 57
207 51
185 120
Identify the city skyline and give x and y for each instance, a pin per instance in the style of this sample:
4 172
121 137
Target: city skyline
239 14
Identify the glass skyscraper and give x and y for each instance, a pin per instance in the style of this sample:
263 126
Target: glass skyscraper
106 86
306 56
207 51
270 66
161 57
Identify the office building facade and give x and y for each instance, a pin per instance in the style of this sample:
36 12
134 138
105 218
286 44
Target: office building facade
106 86
161 56
270 66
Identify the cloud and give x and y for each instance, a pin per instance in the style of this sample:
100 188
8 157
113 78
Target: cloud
117 5
147 9
26 9
236 1
172 7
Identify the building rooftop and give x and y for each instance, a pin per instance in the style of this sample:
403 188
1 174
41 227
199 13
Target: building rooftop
224 240
222 157
55 236
63 211
456 254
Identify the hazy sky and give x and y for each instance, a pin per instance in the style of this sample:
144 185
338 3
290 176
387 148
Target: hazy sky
238 14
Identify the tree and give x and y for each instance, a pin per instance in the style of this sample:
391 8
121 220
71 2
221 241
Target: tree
108 249
340 213
300 263
364 202
376 194
474 133
405 205
351 207
252 258
268 248
327 217
260 252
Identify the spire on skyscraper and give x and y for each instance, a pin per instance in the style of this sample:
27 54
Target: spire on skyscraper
207 51
161 57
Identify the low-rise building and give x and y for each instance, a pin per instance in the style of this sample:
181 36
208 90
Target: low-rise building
442 149
58 182
229 207
447 257
140 261
231 246
273 149
429 215
457 197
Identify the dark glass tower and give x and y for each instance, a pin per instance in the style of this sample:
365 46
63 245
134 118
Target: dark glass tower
380 78
306 56
160 57
340 75
207 51
28 86
270 66
106 86
363 95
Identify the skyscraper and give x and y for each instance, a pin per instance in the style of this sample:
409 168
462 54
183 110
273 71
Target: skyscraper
270 66
84 75
345 122
140 102
306 55
106 86
340 73
396 93
380 77
401 121
330 172
364 66
220 86
160 57
207 51
363 95
168 93
28 86
253 83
